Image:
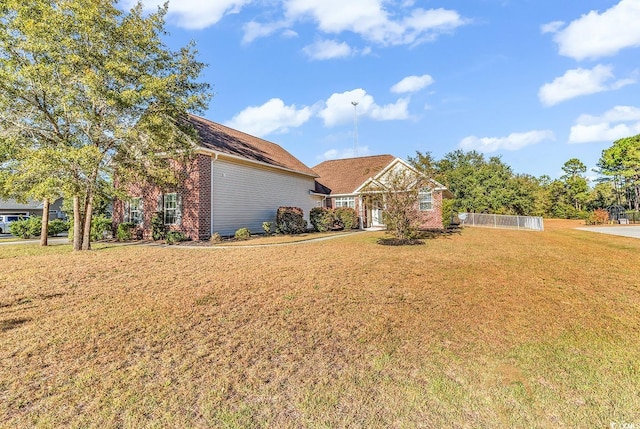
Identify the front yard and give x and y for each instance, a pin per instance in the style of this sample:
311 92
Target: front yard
483 329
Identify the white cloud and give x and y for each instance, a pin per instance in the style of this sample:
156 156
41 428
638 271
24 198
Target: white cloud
513 141
327 49
338 108
551 27
272 116
195 14
577 82
412 84
254 30
345 153
616 123
377 21
597 35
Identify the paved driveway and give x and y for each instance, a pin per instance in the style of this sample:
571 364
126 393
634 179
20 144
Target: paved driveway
625 231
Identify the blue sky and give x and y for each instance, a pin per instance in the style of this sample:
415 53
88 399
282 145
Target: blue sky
536 82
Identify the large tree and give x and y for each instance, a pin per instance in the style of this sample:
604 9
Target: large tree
621 164
576 184
95 88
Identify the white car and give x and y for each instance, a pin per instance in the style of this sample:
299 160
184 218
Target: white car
6 220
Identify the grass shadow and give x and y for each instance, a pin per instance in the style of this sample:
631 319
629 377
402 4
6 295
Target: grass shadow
427 234
9 324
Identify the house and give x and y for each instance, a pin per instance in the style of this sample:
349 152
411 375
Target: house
347 182
234 181
31 208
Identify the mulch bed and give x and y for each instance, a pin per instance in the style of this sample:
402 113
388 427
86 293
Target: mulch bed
399 242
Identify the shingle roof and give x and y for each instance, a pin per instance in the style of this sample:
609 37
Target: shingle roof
15 205
343 176
226 140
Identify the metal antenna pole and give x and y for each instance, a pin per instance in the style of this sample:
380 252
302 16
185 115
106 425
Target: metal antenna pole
355 128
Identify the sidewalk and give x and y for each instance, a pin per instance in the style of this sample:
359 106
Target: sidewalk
53 241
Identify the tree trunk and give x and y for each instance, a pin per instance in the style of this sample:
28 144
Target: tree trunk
88 210
78 224
44 231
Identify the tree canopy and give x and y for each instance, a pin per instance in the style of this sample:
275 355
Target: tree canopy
620 164
481 184
89 92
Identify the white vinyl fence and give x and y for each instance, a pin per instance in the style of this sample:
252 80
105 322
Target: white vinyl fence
532 223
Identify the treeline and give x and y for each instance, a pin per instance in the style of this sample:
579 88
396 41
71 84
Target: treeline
488 185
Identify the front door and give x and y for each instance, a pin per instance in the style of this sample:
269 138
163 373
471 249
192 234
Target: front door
376 214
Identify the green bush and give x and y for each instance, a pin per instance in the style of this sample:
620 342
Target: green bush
174 237
347 217
99 226
447 212
26 228
266 227
290 220
320 219
158 230
323 219
125 231
56 226
242 234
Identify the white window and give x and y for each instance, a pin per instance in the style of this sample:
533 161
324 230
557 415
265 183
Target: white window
426 199
346 202
170 208
134 212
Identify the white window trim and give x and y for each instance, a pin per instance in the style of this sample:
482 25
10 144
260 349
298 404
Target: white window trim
422 199
130 211
166 210
345 202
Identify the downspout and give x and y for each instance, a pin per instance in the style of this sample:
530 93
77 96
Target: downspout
213 159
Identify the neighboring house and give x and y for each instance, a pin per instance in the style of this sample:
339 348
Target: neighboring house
31 208
234 181
347 181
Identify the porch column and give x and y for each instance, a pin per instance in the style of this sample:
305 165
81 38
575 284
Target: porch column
360 211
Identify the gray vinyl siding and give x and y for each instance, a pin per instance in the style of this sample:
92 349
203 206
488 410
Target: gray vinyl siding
244 196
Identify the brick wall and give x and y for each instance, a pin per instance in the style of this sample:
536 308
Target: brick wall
432 219
194 191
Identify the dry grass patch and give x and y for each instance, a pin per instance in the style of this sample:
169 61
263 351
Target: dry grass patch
483 329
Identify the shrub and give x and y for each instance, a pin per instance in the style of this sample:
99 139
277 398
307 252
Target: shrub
242 234
158 230
100 225
26 228
597 217
215 238
348 217
290 220
447 212
321 219
56 226
125 231
174 237
266 227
